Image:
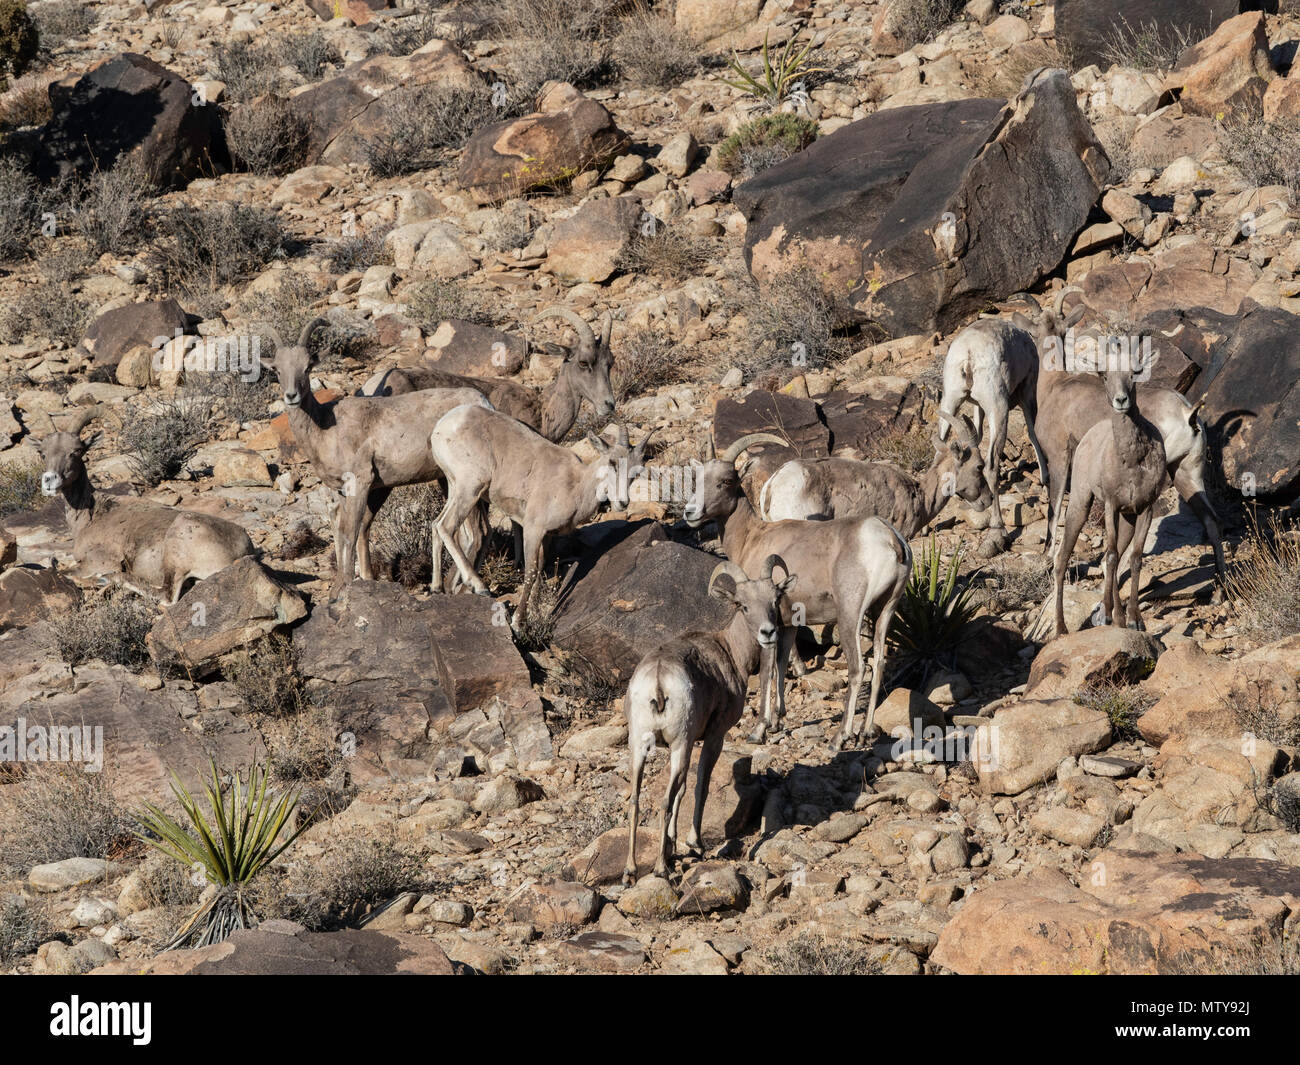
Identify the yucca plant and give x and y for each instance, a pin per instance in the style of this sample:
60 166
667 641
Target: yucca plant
230 845
779 77
933 612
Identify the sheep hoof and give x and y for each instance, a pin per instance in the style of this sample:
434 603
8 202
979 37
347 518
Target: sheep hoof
993 544
629 877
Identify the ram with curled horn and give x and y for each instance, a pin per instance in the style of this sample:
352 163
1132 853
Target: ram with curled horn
692 690
848 567
163 548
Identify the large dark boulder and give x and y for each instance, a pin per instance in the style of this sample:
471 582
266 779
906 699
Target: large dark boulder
131 106
642 593
115 332
1084 28
344 112
915 218
1252 405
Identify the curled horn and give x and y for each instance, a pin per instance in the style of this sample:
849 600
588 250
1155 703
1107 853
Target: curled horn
606 327
748 440
586 338
1025 297
305 336
84 418
770 563
961 426
623 440
730 569
710 453
1058 305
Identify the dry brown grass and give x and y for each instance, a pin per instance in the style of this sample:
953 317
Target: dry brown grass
1264 584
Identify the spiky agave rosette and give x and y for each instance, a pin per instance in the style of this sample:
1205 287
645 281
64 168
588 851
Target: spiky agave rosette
230 845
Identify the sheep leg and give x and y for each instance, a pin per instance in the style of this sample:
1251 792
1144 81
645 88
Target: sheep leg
1055 508
533 547
1029 408
1110 563
517 535
709 751
1191 489
1139 533
1075 516
851 625
769 662
677 803
995 539
638 751
679 758
375 499
351 508
460 501
880 635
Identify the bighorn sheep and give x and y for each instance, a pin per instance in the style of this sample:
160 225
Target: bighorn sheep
846 567
584 374
160 546
1121 461
819 489
1071 403
542 486
692 690
994 364
362 447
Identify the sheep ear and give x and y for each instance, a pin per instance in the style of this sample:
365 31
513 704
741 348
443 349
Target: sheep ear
86 445
788 583
1021 322
723 587
1071 318
598 443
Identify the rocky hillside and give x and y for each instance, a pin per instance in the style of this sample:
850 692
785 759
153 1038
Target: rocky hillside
783 212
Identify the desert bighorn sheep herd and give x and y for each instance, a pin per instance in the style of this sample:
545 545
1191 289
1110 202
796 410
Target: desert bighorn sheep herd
827 542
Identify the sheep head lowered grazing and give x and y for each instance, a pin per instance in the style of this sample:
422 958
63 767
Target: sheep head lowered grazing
364 447
692 689
162 547
846 567
584 374
541 486
845 488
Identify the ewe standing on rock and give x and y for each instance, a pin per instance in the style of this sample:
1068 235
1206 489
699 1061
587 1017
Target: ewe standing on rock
692 689
163 547
1121 461
361 447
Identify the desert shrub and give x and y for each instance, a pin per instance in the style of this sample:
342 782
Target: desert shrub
813 955
23 928
195 247
585 682
1020 581
1007 75
785 70
20 211
166 883
247 69
646 362
668 251
403 35
310 54
1257 709
353 876
932 615
765 141
285 307
19 40
108 208
229 398
26 104
510 228
57 812
1265 583
61 21
20 487
270 137
1146 46
358 252
909 449
157 444
302 541
439 300
53 312
651 51
345 336
916 22
401 535
65 261
303 747
422 123
172 34
1122 704
266 677
1266 153
792 323
111 628
560 40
